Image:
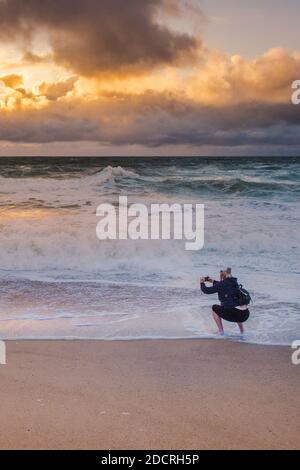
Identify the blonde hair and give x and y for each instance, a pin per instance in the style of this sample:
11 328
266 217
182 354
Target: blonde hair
226 274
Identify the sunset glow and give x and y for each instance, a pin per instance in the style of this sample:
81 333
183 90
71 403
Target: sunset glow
141 78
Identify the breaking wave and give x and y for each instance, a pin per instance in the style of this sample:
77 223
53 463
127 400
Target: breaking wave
53 266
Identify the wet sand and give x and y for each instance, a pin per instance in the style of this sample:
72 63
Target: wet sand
185 394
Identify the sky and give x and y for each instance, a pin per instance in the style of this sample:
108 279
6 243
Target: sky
250 28
150 77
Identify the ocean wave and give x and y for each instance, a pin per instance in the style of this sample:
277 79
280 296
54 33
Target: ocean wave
53 267
242 186
58 219
164 180
111 173
65 241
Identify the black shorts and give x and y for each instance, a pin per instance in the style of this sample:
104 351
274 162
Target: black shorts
233 315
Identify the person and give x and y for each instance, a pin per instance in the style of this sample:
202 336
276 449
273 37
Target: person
229 310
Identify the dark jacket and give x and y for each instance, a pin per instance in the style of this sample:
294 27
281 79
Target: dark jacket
226 290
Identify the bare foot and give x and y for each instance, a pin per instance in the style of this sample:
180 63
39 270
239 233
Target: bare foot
219 333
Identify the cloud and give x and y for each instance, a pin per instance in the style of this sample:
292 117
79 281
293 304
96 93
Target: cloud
32 127
54 91
12 81
156 99
224 80
30 58
155 120
15 97
94 37
224 102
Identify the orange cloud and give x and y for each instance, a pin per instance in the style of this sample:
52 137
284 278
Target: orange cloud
132 84
225 80
16 97
12 81
54 91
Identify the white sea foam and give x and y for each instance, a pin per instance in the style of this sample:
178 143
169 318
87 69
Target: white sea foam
53 267
110 173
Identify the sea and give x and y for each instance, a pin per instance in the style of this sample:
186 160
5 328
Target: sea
59 281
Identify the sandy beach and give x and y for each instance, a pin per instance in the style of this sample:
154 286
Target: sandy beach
148 395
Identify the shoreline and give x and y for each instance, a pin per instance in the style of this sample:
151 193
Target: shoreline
229 339
142 340
148 394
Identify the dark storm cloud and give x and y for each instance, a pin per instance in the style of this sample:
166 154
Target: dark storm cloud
156 120
97 36
30 128
240 125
